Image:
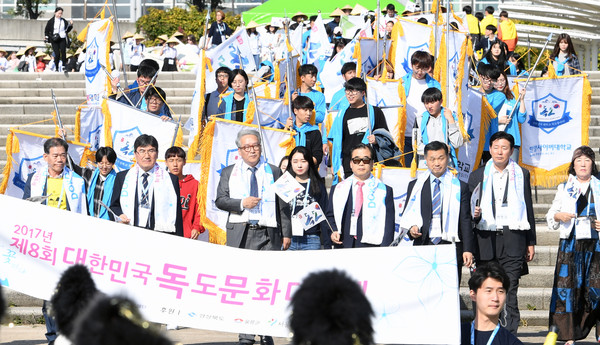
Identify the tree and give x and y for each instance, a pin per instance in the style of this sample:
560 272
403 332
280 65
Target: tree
28 8
202 4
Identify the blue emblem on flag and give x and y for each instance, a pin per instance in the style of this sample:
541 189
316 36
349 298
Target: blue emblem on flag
27 166
123 146
549 112
94 138
468 118
231 157
92 63
409 52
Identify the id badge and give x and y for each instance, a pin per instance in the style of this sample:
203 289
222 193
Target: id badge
436 227
502 215
297 228
583 228
353 222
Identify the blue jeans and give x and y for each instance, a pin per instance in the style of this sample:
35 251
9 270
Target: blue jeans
51 328
306 242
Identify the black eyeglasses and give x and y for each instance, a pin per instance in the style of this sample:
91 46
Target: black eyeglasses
249 148
357 160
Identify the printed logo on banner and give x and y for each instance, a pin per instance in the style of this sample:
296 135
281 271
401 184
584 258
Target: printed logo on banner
549 113
468 118
236 55
92 64
27 167
454 65
400 200
409 52
123 146
313 49
368 64
231 157
94 138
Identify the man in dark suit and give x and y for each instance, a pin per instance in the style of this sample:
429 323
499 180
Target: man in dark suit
361 208
257 218
505 222
146 195
433 187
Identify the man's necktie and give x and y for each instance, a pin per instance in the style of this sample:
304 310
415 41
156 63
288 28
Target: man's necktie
253 182
436 206
359 198
145 189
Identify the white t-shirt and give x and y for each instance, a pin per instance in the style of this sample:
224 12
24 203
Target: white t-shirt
414 106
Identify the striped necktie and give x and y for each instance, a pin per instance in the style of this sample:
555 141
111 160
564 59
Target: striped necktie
436 206
145 189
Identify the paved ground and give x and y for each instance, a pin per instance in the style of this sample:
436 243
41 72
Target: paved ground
34 335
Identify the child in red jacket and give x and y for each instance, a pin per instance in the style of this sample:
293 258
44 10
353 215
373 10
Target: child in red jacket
188 186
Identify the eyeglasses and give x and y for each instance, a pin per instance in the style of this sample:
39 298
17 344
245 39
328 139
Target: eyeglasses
353 92
249 148
155 100
365 160
487 81
144 152
143 82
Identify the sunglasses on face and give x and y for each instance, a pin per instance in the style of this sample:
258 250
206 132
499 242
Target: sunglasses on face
357 160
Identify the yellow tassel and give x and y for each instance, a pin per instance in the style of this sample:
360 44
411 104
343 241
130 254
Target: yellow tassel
277 76
83 34
107 124
250 112
432 43
358 56
193 149
377 170
289 46
298 80
289 143
487 114
216 234
318 87
179 137
313 117
9 161
54 118
268 90
401 120
413 164
459 81
77 133
87 156
551 70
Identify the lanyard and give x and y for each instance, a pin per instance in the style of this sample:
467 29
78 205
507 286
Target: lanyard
491 336
305 198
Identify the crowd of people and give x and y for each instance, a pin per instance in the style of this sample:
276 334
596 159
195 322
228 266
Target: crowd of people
496 239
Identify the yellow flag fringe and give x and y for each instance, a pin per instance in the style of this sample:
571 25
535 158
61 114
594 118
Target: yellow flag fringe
77 132
107 124
193 149
401 121
358 56
11 139
464 52
215 234
250 112
487 114
551 70
179 137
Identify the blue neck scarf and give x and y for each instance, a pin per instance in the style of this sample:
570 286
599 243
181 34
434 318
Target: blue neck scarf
425 136
229 106
106 196
301 133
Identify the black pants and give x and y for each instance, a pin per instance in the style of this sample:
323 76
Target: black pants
60 52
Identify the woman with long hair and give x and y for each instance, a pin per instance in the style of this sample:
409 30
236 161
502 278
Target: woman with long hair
56 33
496 55
574 303
511 125
564 59
302 168
235 104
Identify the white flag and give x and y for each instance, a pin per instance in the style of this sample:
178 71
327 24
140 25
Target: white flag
91 124
128 123
273 112
30 157
331 76
97 55
470 153
318 43
409 37
385 94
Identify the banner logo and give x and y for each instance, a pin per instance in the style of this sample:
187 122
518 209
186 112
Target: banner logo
549 112
92 64
409 52
94 138
123 146
26 168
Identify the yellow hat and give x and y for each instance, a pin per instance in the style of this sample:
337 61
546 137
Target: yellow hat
347 7
39 54
173 40
21 52
127 35
2 51
177 34
138 37
337 13
48 57
358 10
300 14
69 55
163 37
80 50
29 47
252 25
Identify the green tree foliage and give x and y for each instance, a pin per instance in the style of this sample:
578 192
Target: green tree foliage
203 4
189 22
28 8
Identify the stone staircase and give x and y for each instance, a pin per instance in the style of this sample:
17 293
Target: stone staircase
26 98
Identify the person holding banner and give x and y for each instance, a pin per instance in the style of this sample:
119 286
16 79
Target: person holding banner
511 125
155 99
339 100
224 77
303 169
146 195
144 77
307 135
433 126
504 217
258 218
234 105
361 208
575 212
414 84
488 76
352 126
438 209
63 189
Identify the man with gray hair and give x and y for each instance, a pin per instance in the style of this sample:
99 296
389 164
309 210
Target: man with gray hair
257 219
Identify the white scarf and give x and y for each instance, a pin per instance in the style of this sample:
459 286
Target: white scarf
72 184
239 189
373 207
450 205
569 202
164 198
515 199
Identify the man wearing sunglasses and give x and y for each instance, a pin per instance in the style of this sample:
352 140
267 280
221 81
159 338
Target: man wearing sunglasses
361 208
437 210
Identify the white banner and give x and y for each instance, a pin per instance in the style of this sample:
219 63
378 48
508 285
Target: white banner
318 43
456 80
128 123
554 123
91 123
273 112
30 157
398 179
467 154
384 94
331 76
96 56
415 37
241 291
368 52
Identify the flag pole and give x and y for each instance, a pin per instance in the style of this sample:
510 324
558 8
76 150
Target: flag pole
286 24
119 40
512 112
60 124
447 57
378 14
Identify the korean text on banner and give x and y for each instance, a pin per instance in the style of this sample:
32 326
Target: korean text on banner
97 51
28 156
557 111
128 123
470 153
237 295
